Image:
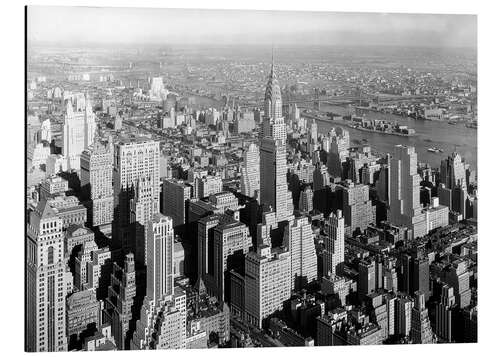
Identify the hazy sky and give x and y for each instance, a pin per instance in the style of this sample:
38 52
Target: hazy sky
148 25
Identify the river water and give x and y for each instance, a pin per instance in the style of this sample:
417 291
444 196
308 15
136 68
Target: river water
430 134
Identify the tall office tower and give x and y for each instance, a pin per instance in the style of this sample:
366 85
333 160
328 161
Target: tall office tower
274 124
390 302
390 275
453 189
121 295
383 183
421 331
47 282
145 202
379 305
312 136
143 208
231 241
267 283
205 230
78 133
444 314
250 171
294 113
404 306
179 258
96 174
306 200
45 131
357 207
321 177
84 257
33 127
299 240
457 276
453 172
419 271
175 195
172 329
162 324
135 160
99 271
339 151
159 313
469 318
80 101
118 123
157 89
273 184
333 255
404 204
366 278
160 257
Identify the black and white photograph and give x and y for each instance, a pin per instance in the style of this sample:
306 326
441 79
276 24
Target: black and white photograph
203 178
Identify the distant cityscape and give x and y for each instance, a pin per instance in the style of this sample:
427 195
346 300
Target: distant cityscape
189 197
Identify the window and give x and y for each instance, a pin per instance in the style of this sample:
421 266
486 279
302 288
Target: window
50 257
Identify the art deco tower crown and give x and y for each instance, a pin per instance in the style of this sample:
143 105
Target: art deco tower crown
272 97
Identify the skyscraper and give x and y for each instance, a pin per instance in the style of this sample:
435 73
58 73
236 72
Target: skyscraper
267 283
453 189
444 314
273 124
312 136
160 257
273 183
357 207
299 240
306 200
142 208
383 184
175 195
250 171
82 259
453 172
366 278
333 255
78 132
96 164
421 331
419 270
339 151
404 306
136 161
157 90
47 282
121 295
404 205
321 177
231 241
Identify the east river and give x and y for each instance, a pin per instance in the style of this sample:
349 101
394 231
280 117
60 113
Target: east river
429 134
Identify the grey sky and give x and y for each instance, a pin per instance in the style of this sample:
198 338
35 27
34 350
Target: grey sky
149 25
